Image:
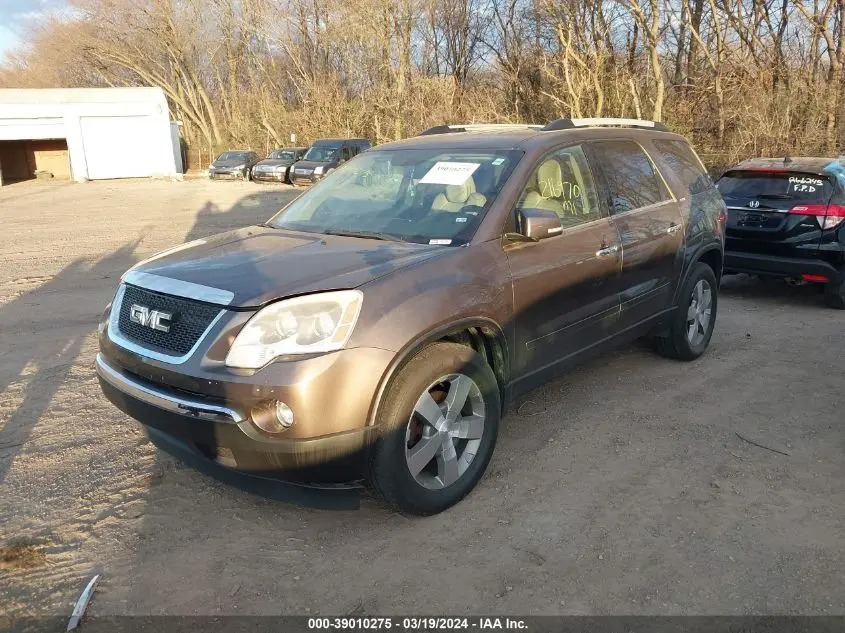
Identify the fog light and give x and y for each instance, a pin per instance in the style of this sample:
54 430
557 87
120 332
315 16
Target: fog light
272 416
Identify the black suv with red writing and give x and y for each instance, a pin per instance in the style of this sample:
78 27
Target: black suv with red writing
785 219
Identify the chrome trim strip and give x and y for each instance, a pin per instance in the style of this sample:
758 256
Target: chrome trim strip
118 339
600 121
758 210
656 170
645 209
164 400
179 288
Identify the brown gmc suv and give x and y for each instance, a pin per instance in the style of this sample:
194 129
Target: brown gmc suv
375 330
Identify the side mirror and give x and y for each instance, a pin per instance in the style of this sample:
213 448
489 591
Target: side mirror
539 224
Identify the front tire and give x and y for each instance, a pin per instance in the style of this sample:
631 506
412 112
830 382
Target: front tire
693 322
440 420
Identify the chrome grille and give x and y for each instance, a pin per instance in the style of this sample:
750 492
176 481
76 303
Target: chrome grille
189 322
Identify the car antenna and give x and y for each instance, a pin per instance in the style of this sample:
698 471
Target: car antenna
787 160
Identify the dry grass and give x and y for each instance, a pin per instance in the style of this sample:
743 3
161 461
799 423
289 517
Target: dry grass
22 555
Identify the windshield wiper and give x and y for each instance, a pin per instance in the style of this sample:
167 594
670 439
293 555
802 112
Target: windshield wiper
367 235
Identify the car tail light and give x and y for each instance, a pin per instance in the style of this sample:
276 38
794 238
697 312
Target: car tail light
808 277
828 215
723 218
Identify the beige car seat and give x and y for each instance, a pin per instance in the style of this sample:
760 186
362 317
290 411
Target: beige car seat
456 197
547 189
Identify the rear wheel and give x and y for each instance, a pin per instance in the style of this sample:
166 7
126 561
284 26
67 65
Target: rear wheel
692 325
834 294
440 418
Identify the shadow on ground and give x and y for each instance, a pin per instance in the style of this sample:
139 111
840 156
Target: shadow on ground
51 307
766 291
47 365
249 210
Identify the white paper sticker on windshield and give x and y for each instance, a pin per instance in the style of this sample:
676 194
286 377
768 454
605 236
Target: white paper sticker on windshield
440 242
447 173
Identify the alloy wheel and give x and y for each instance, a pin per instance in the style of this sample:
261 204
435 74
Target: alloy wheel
699 312
444 431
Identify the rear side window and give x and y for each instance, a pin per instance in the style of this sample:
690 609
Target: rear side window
793 186
629 176
681 159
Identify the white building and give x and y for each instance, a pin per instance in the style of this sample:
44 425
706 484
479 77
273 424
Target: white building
87 134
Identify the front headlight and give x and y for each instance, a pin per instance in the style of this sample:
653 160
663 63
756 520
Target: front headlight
318 170
279 169
310 324
240 166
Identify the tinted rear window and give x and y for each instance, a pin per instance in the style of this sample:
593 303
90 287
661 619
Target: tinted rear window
796 186
629 174
681 159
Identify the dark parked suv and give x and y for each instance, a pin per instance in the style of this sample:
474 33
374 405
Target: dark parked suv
324 156
785 219
376 329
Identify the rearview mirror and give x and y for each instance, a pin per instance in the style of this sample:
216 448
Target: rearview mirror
538 224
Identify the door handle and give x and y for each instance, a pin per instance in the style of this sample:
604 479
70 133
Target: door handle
673 227
610 250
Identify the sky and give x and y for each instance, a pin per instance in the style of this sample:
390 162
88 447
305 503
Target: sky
14 16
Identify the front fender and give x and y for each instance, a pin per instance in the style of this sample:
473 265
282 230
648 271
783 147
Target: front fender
492 331
468 287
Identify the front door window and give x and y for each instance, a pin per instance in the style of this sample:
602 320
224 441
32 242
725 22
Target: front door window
563 183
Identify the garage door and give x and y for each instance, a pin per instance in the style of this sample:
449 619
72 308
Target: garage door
118 147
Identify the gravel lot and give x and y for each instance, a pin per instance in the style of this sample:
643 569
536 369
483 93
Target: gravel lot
622 487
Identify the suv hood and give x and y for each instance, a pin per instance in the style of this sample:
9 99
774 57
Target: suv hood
275 162
310 164
260 264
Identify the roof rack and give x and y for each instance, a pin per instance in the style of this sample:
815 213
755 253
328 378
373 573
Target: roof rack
478 127
569 124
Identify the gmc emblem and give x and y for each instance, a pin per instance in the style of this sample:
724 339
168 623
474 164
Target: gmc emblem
153 319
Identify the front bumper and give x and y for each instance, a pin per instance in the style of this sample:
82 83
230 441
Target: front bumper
266 176
304 179
218 434
235 174
740 262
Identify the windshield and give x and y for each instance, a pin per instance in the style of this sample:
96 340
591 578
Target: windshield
427 196
233 156
794 186
321 153
281 154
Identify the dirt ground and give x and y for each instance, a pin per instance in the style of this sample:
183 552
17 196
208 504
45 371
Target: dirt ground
621 488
